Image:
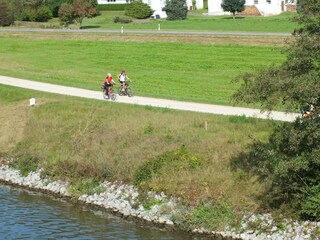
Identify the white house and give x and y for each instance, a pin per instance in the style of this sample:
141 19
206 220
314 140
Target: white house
265 7
156 5
114 1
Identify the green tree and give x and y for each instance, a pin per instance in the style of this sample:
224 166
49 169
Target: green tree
138 9
77 11
296 80
6 14
32 10
233 6
84 8
66 14
54 6
290 160
176 9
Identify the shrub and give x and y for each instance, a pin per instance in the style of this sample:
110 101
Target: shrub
122 20
66 14
310 207
212 215
290 162
176 9
86 186
6 14
178 159
43 14
26 164
54 6
138 9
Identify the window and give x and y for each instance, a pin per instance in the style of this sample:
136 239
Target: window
269 1
256 2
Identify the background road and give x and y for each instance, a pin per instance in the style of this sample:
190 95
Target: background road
154 102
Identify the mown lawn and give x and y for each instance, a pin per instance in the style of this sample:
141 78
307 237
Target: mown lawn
183 71
277 24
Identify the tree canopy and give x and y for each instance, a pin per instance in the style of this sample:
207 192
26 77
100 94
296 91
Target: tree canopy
296 80
138 9
176 9
233 6
289 163
77 11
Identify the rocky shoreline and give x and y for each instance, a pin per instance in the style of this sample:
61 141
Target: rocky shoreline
124 199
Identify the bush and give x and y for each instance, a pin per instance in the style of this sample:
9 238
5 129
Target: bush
66 14
6 14
179 159
54 6
112 7
212 215
290 162
86 186
138 9
176 9
310 207
41 14
26 164
122 20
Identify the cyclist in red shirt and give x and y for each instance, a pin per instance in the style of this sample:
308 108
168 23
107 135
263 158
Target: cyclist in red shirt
107 83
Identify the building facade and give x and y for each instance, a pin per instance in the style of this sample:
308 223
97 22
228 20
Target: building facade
264 7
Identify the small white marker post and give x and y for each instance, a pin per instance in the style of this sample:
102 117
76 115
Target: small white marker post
32 102
121 29
159 27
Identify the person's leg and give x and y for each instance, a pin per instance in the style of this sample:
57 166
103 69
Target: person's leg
107 91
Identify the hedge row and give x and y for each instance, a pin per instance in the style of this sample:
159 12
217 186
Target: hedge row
112 7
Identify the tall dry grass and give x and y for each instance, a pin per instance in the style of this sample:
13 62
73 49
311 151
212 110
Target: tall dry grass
74 139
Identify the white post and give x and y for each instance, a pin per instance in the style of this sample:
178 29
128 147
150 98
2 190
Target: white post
32 102
121 29
159 27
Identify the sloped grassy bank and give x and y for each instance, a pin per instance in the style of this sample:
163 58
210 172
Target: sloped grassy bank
91 145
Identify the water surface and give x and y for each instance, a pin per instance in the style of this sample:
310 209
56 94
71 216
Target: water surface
32 215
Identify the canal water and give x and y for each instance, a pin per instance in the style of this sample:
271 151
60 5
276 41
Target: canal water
32 215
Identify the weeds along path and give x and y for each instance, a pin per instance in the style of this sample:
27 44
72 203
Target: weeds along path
145 101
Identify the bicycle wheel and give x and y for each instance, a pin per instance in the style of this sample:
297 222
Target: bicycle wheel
113 96
129 92
120 91
104 94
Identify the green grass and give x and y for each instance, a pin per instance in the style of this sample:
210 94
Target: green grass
77 140
279 23
183 71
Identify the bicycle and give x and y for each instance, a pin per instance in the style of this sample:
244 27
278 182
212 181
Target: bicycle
126 91
111 93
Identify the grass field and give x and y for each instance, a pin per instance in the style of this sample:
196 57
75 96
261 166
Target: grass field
183 71
75 139
280 23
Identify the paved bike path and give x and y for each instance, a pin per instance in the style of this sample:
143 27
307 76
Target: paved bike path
145 101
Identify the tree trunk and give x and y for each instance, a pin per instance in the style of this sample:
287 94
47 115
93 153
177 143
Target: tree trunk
234 15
